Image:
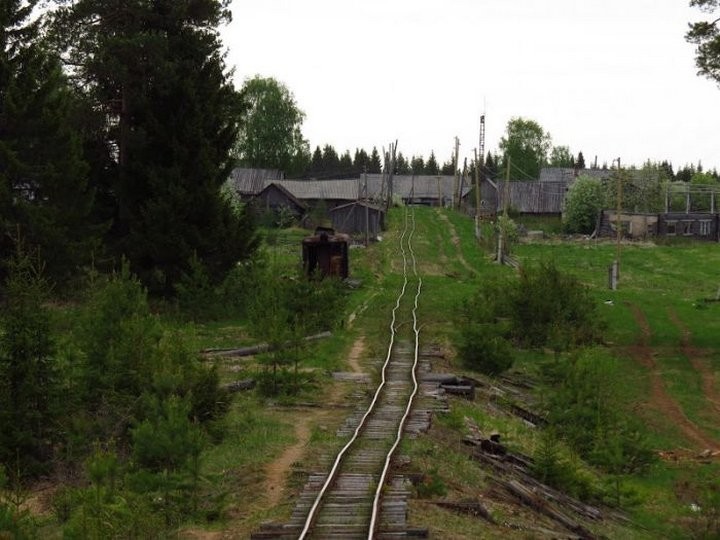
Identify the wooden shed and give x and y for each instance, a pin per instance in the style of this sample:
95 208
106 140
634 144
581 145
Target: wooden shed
275 197
358 218
326 253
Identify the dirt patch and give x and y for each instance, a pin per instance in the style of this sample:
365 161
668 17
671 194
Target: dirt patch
659 398
455 239
356 353
698 360
277 471
39 499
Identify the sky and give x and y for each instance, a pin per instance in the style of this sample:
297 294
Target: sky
610 78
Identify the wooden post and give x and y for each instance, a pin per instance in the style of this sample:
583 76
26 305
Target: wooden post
501 231
687 198
618 226
667 198
478 164
456 201
712 200
367 227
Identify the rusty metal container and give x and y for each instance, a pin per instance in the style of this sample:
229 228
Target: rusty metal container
326 253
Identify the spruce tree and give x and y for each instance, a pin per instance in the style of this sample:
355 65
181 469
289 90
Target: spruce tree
432 167
156 69
374 163
44 192
28 380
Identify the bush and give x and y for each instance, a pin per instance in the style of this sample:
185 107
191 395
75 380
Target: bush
483 349
542 308
549 308
582 205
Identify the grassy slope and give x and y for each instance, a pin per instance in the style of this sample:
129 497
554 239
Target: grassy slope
653 278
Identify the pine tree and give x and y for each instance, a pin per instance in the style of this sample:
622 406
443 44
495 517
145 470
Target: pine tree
401 164
361 161
28 381
157 71
316 163
346 163
375 165
580 162
330 160
431 167
417 164
44 188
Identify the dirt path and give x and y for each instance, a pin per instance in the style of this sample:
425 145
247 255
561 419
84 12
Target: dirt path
277 471
456 242
698 360
659 398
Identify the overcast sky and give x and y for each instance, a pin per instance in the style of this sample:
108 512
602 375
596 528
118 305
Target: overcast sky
610 78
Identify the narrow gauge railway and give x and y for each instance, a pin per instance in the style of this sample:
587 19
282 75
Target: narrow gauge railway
354 500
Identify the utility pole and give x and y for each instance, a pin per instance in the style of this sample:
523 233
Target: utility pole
456 197
478 171
367 211
615 272
503 224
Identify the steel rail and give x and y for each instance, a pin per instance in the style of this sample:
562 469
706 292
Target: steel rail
376 501
312 514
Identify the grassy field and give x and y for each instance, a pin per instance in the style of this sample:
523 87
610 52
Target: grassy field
659 311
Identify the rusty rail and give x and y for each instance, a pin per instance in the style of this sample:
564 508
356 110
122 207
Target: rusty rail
336 467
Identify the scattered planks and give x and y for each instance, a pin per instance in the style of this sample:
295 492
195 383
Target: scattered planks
256 349
238 386
452 384
513 473
533 500
472 508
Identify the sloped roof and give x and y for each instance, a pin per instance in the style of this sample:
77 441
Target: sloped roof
285 192
405 186
420 186
357 203
569 174
252 181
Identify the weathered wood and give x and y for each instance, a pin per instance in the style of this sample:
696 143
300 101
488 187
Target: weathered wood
257 349
473 508
531 499
237 386
467 392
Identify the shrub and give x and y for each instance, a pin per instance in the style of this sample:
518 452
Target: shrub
542 308
582 205
28 370
483 349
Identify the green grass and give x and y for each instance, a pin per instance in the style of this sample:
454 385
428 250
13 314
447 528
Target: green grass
656 279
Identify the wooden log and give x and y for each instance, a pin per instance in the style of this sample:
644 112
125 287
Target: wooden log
237 386
473 508
467 392
257 349
531 500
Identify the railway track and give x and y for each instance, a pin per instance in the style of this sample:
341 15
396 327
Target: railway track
359 497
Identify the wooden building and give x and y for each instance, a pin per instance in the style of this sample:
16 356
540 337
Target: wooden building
701 226
276 198
358 219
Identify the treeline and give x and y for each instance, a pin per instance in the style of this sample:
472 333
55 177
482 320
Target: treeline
325 162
